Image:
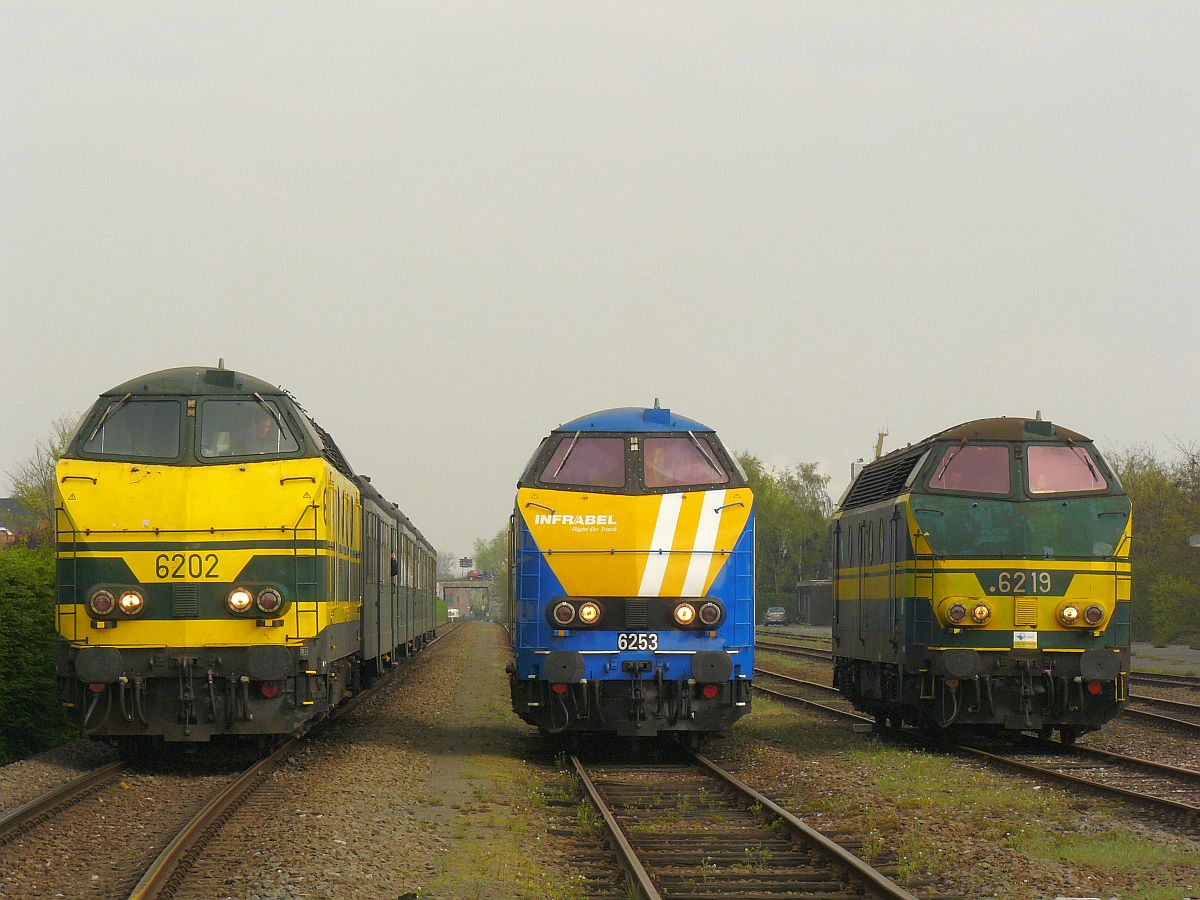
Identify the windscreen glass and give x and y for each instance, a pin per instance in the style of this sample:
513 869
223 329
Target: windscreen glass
587 462
680 461
136 428
243 428
973 468
1057 470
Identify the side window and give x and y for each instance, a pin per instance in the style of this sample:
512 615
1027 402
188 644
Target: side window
973 468
680 461
587 462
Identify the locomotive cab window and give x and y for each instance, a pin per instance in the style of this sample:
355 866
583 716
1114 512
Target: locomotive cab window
135 429
1058 470
243 428
680 461
585 461
973 469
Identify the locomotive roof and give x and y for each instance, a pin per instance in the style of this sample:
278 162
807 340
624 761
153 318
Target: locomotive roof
1006 428
194 380
633 418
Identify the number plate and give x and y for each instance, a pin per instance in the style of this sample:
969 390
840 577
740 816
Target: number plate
637 640
186 566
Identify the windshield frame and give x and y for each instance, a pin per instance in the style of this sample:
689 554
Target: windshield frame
102 415
280 414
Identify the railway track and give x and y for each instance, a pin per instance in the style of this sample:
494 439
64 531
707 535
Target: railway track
24 818
181 846
1163 789
1158 679
692 830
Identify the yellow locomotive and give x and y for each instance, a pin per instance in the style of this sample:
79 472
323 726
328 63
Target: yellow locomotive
221 568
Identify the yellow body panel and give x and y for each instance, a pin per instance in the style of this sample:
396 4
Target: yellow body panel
616 545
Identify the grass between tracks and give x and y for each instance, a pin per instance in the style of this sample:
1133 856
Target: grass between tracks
948 821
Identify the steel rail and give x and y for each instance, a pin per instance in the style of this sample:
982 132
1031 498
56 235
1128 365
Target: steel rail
627 856
28 813
1159 718
855 866
161 872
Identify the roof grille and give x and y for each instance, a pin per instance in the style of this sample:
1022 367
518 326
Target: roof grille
881 480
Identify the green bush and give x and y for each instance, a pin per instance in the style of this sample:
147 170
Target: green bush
31 716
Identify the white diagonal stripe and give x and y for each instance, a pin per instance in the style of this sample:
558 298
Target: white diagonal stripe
664 536
706 540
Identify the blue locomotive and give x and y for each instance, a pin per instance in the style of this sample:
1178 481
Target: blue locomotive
632 579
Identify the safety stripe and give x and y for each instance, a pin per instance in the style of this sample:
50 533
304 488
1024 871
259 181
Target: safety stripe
664 533
706 540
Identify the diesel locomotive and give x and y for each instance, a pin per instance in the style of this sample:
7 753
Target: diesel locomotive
632 579
222 570
981 578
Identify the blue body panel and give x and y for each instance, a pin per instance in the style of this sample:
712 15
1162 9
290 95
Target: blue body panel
536 585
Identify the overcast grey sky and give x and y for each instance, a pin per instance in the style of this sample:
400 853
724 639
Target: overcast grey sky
450 227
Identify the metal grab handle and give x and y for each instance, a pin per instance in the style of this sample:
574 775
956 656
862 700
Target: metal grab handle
80 478
540 506
298 478
727 505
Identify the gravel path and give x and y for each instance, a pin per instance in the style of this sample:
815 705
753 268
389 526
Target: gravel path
26 779
421 792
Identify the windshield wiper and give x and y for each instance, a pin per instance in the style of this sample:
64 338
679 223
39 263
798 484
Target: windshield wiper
941 475
273 411
704 453
566 455
104 418
1087 459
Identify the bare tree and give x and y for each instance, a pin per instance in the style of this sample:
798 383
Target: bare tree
33 480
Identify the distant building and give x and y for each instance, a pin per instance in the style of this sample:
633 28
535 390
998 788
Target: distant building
814 602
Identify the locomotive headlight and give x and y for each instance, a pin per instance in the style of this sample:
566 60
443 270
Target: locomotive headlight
685 614
131 602
269 600
102 603
564 613
956 612
710 613
239 600
1093 614
1068 614
589 613
981 613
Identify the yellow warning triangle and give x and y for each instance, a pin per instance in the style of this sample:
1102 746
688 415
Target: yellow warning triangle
307 496
72 497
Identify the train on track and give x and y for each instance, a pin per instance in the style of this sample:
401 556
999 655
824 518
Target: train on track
632 579
221 569
981 578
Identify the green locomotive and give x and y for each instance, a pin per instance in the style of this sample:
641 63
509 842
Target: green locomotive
981 578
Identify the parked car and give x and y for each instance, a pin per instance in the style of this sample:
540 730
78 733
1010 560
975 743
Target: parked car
775 615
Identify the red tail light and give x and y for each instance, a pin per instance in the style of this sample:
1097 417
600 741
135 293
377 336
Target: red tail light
709 691
96 687
558 688
1094 688
270 689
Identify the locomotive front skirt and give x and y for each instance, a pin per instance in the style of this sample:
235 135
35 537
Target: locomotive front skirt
632 579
